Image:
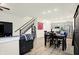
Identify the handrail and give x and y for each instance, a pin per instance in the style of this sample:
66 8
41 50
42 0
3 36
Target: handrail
27 27
23 25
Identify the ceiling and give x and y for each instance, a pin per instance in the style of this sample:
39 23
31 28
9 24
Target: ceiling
43 10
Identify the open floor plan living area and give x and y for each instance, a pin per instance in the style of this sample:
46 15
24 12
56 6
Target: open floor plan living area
39 29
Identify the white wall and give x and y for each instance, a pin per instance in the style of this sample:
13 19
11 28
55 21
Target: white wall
17 21
46 26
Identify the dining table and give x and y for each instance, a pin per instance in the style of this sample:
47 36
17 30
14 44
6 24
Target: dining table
55 38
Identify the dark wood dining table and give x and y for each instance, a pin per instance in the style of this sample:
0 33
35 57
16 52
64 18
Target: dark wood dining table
57 37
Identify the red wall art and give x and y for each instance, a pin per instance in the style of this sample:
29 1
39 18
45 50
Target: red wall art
40 25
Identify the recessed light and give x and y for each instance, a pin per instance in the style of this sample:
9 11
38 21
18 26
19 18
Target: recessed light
43 12
49 11
55 9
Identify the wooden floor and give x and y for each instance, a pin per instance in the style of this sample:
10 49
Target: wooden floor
40 49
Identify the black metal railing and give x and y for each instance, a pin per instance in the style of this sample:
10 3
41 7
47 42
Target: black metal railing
27 27
27 23
24 28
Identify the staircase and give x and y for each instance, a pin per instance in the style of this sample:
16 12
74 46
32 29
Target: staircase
25 27
26 45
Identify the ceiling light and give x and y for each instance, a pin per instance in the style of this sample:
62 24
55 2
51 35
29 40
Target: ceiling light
44 13
55 9
49 11
27 17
